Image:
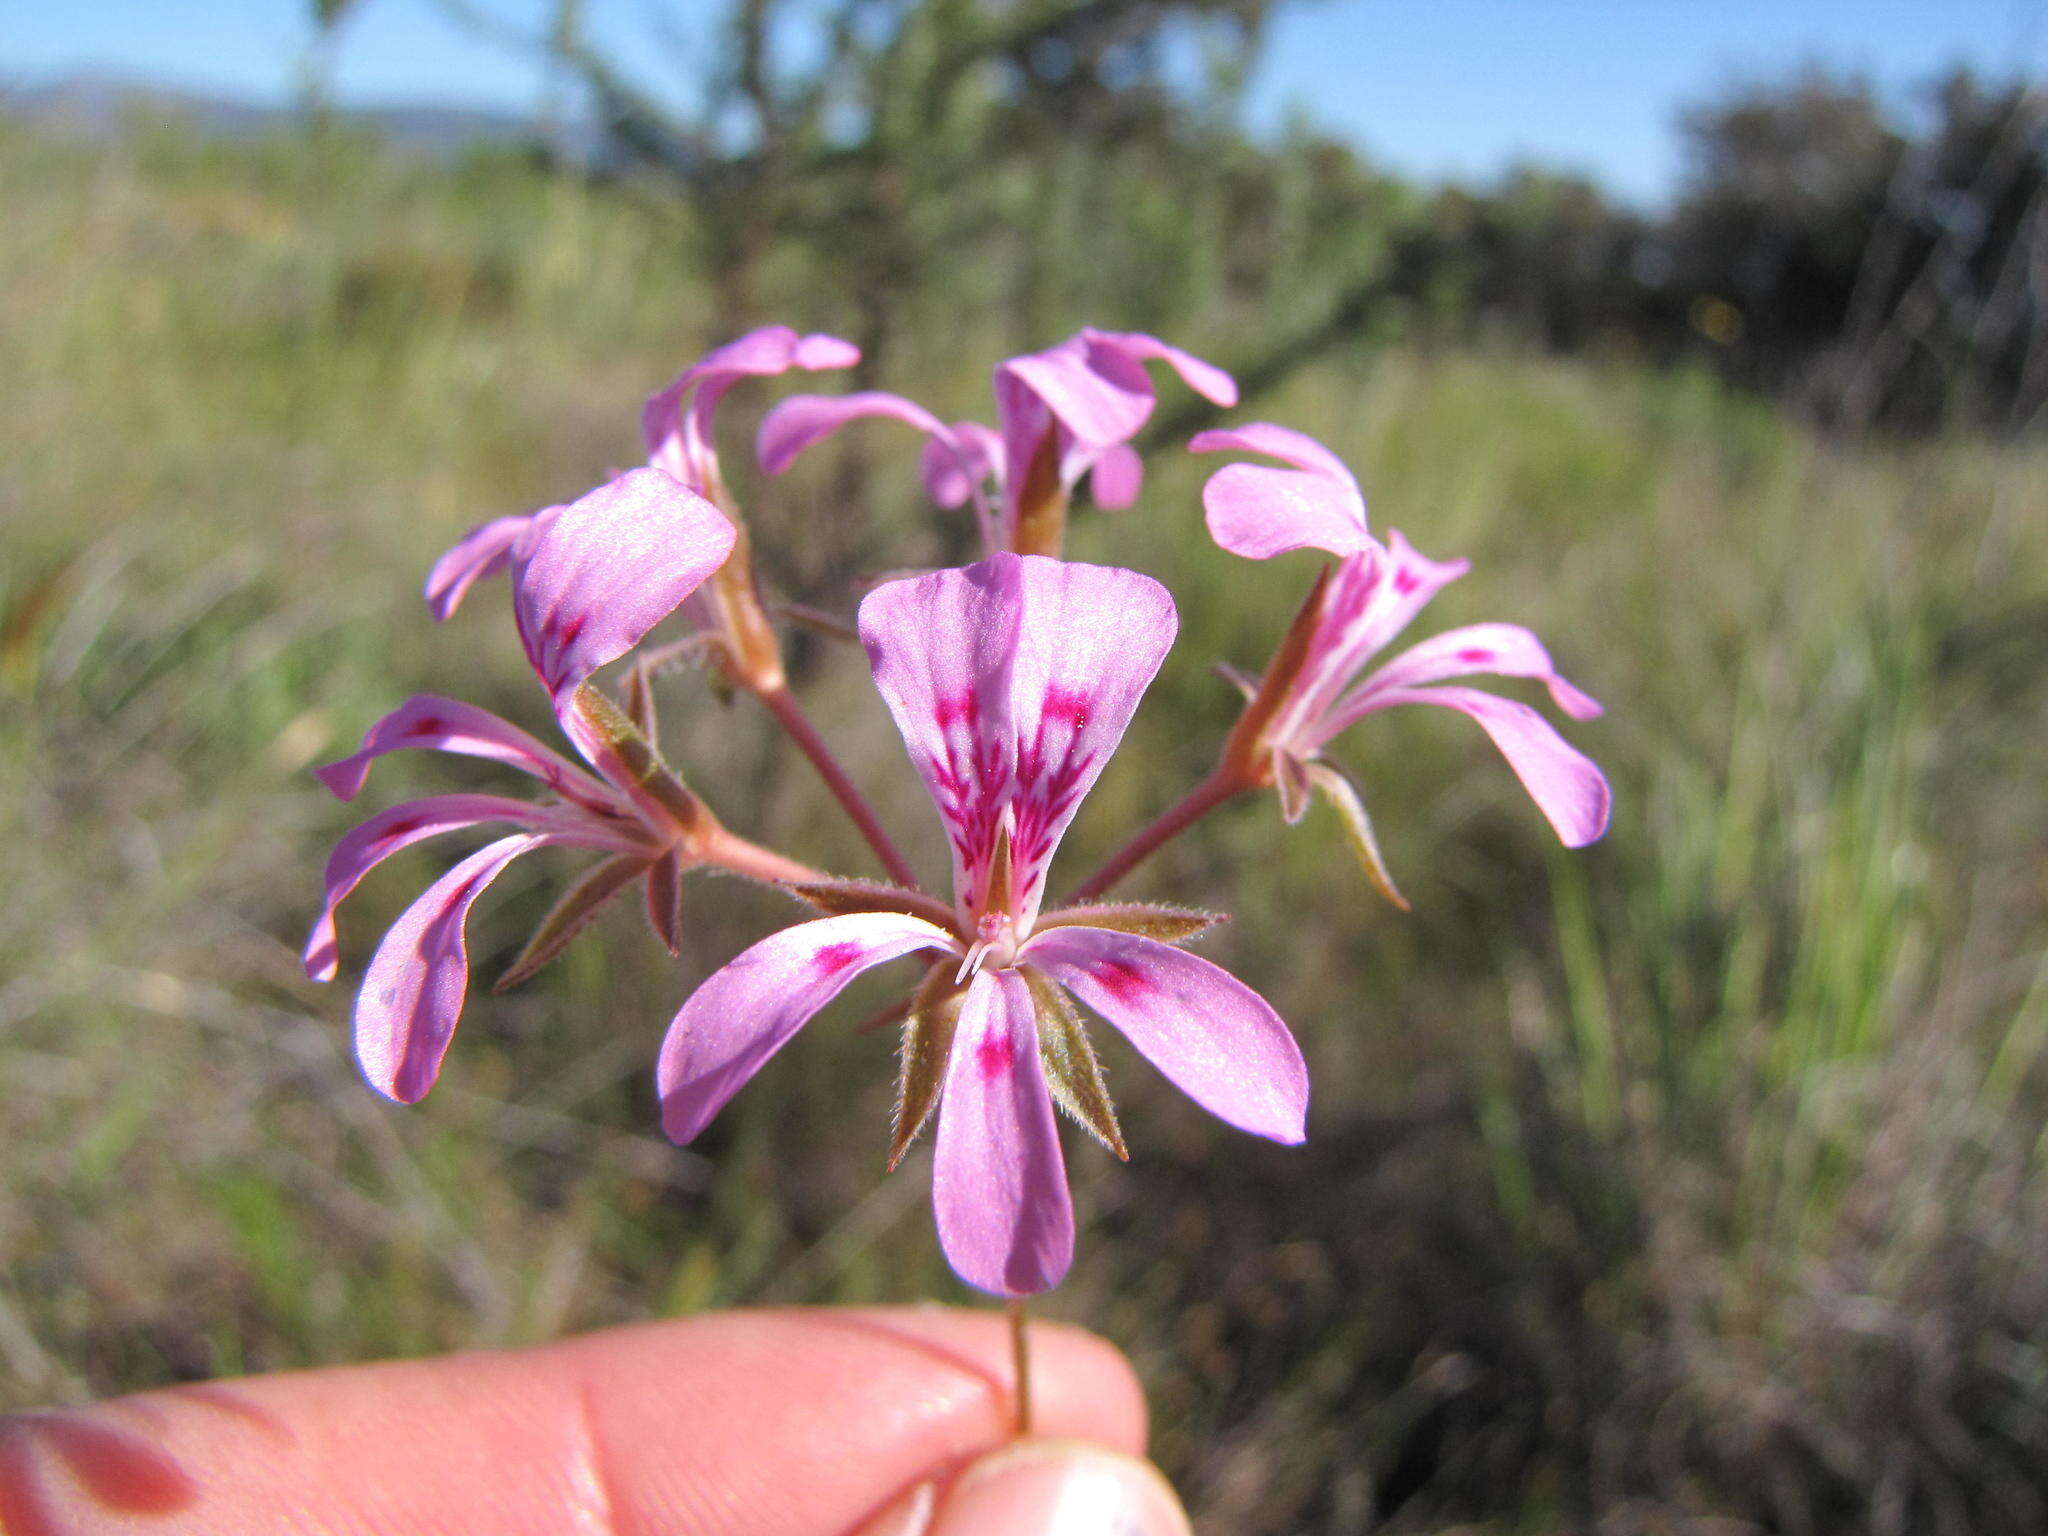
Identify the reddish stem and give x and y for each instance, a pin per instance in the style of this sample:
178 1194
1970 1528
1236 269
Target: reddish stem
728 850
783 706
1197 803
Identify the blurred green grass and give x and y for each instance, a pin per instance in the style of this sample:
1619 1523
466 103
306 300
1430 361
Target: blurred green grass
1693 1176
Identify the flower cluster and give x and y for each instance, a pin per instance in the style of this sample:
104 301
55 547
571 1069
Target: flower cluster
1012 681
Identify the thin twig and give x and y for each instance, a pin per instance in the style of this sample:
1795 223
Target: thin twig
1197 803
790 715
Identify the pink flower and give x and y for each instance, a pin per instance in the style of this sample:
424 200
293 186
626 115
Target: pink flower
1312 690
676 424
579 602
1064 413
1012 682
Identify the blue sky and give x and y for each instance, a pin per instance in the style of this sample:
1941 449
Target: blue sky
1447 88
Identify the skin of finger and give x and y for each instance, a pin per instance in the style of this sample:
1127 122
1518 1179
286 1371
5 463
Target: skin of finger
769 1423
1040 1487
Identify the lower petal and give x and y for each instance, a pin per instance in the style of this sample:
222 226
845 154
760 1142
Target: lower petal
999 1185
1216 1039
1567 786
415 986
1116 479
365 847
481 552
745 1012
799 421
449 725
1502 650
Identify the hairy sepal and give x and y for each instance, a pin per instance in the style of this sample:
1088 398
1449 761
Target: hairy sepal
1344 799
640 700
665 900
571 915
835 898
927 1045
1169 925
636 763
1071 1070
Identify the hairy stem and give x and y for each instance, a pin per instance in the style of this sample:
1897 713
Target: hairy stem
728 850
1197 803
790 715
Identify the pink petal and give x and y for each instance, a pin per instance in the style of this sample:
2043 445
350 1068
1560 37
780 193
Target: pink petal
417 981
448 725
481 552
953 467
1373 596
1205 379
1275 442
1101 396
363 848
798 422
1216 1039
941 646
1090 642
1566 785
999 1184
1012 682
1257 511
744 1013
773 349
607 568
1118 476
1502 650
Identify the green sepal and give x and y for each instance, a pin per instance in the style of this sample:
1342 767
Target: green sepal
1071 1070
927 1043
636 761
1344 798
1169 925
570 915
836 898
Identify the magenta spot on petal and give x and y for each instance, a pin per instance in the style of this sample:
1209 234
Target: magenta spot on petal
995 1055
566 635
1123 981
1406 580
955 710
834 958
1474 655
429 725
404 825
1067 704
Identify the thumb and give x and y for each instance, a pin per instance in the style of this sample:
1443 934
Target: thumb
1040 1488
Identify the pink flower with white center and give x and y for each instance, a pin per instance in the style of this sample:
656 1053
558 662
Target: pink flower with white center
676 424
579 602
1012 682
1064 413
1312 690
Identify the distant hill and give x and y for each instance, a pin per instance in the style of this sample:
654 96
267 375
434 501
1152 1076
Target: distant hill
101 103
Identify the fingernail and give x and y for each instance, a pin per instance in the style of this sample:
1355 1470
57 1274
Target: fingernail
1060 1488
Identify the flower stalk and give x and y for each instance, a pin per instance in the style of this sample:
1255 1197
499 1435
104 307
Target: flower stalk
1020 1365
789 714
1222 785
